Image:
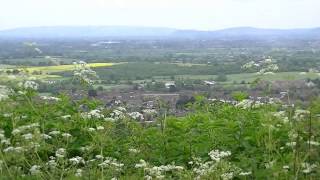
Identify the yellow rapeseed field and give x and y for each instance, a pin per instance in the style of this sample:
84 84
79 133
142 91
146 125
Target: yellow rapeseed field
68 67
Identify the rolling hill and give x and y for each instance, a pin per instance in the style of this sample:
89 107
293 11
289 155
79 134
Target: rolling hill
123 32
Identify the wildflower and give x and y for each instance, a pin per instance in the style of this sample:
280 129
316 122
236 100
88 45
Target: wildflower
86 148
132 150
49 98
291 144
310 84
245 173
77 160
52 162
122 109
30 85
100 128
65 117
15 131
136 116
5 142
99 156
92 114
314 143
45 136
249 65
6 115
269 164
118 113
141 164
149 111
216 155
34 145
24 128
66 135
78 173
111 162
308 168
227 176
35 169
4 93
60 153
8 149
84 73
247 103
54 133
300 114
27 136
286 167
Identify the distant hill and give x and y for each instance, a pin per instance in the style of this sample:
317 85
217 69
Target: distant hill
86 32
252 33
157 32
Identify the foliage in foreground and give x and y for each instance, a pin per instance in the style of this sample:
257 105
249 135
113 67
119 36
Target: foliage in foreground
57 138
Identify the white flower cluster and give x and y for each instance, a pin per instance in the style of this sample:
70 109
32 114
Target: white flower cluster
227 176
4 140
84 73
216 155
99 128
77 160
25 139
4 93
245 173
142 164
60 153
52 162
14 149
24 128
93 114
110 162
50 98
248 103
250 65
133 150
149 111
300 114
35 169
226 170
65 117
268 66
314 143
157 172
30 85
269 69
118 113
78 173
136 116
291 144
308 168
281 115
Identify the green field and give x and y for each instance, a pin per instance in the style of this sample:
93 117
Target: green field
249 77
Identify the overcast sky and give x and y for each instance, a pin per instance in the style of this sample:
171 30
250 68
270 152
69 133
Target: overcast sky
186 14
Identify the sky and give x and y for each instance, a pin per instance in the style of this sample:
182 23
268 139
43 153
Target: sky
181 14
